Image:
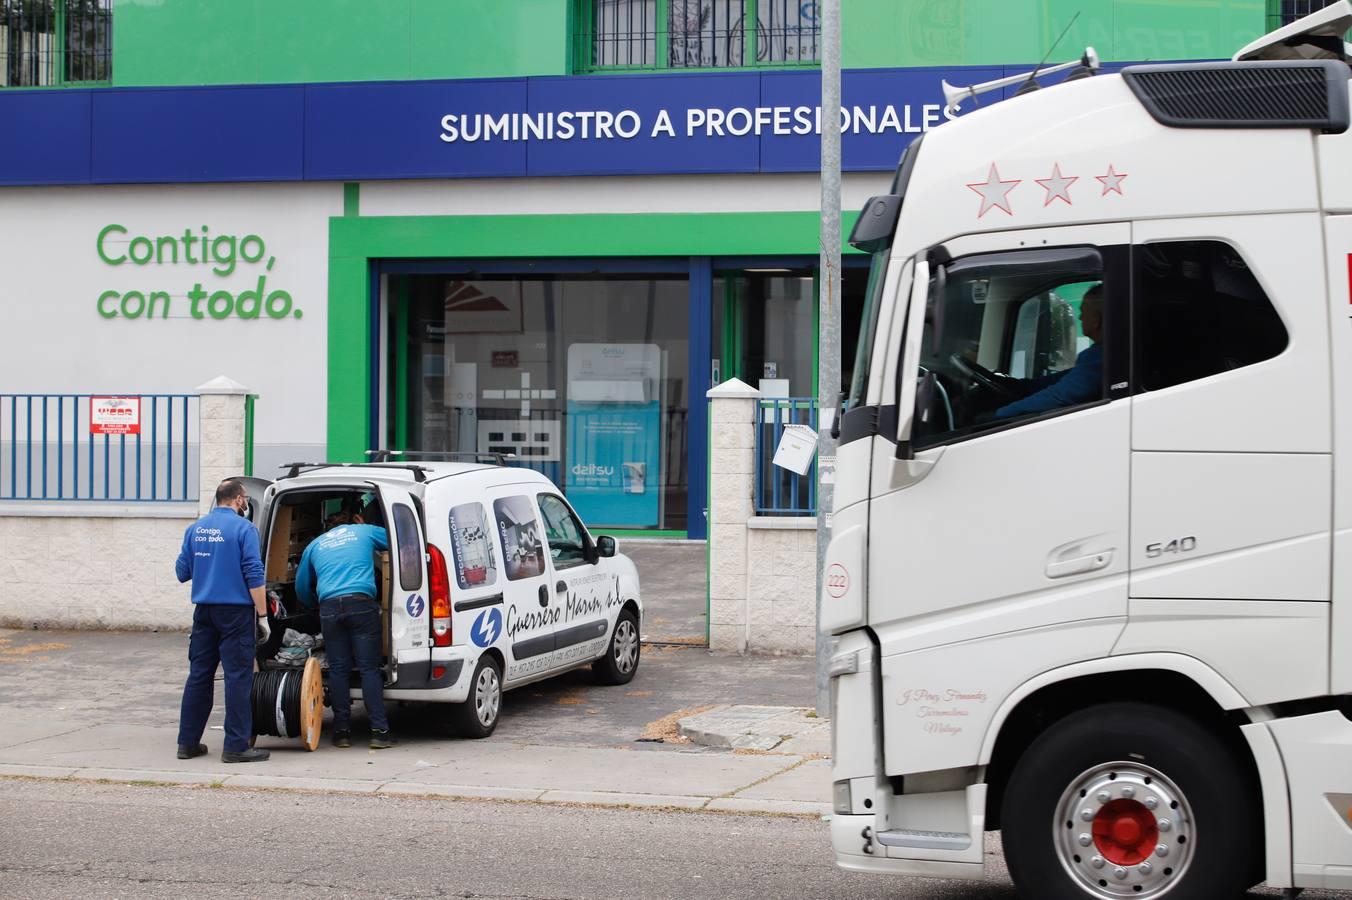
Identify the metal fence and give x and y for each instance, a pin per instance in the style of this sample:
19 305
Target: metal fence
781 492
1284 12
49 451
55 42
681 34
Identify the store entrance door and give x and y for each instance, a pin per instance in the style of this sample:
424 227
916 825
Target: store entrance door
583 377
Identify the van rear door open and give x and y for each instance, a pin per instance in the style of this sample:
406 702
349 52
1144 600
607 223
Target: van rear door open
409 647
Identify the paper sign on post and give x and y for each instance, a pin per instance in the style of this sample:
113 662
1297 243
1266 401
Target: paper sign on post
114 415
797 446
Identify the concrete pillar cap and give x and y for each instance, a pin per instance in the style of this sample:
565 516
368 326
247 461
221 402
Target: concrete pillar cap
733 389
222 384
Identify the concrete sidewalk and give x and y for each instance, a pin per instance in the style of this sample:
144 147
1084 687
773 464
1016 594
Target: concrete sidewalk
104 706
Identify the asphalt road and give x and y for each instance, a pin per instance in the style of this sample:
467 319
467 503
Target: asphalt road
62 839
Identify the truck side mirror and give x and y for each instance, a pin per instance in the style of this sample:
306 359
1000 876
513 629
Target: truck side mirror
606 546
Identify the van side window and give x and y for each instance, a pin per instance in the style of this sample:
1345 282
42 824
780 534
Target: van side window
410 548
567 539
476 563
1010 336
523 553
1199 311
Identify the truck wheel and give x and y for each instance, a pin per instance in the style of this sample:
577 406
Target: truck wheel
478 715
1130 800
621 660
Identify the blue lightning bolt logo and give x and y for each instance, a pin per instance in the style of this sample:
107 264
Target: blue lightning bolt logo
487 627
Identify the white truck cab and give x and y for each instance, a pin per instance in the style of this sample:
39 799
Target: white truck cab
492 581
1090 579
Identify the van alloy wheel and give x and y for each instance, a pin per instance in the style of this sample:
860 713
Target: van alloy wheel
619 662
487 696
1123 829
626 646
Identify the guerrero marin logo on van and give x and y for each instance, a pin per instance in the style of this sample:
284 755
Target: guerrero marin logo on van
486 628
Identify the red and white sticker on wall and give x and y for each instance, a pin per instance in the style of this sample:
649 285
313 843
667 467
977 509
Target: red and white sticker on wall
114 415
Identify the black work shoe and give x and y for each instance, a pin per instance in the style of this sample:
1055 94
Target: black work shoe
253 754
186 752
342 739
381 740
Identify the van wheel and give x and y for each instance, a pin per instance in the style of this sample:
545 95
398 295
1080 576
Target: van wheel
621 660
1130 800
478 715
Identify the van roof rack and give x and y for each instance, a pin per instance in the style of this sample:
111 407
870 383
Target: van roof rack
419 472
385 456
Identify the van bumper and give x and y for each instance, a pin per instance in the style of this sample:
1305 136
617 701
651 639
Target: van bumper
420 680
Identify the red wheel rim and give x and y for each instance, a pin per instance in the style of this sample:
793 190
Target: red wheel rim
1125 832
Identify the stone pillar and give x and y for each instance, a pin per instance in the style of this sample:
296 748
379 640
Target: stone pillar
732 469
222 428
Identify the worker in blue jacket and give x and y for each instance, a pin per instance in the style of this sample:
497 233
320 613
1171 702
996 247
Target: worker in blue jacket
338 571
220 557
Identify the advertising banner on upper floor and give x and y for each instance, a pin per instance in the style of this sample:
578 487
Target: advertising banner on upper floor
687 123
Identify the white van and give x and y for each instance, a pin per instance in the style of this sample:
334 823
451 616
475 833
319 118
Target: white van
492 581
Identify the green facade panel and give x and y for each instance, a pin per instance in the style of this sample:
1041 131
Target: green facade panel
184 42
333 40
265 41
489 38
883 33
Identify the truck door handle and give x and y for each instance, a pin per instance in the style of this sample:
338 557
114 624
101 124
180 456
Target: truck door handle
1079 565
560 587
544 595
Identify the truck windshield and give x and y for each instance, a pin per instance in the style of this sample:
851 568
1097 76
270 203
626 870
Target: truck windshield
877 274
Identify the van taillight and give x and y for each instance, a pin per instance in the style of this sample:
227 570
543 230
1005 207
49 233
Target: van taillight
439 591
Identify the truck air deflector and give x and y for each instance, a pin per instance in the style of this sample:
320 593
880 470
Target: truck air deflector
1288 94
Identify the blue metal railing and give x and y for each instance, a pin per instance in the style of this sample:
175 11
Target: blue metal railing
48 450
780 492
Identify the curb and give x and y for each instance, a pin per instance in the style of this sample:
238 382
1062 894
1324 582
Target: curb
166 778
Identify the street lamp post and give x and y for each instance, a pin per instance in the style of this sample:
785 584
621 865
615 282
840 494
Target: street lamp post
828 316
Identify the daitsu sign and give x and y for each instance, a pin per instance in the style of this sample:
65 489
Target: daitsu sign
114 415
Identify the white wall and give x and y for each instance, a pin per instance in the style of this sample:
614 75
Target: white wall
614 194
52 337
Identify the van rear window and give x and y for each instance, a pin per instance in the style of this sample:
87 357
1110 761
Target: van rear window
410 549
476 562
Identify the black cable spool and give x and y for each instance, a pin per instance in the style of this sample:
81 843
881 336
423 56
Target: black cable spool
275 701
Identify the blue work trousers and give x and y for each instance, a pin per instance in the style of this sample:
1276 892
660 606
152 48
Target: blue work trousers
351 626
221 635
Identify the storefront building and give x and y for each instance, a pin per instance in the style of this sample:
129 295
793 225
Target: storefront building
543 227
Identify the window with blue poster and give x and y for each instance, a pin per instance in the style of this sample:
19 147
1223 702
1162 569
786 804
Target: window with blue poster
614 433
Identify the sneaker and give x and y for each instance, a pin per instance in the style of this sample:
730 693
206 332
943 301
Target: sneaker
186 752
342 739
253 754
381 740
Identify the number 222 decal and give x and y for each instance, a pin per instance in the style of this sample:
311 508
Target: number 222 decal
1180 545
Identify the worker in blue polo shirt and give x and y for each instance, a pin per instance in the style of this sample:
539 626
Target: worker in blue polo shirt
338 570
220 557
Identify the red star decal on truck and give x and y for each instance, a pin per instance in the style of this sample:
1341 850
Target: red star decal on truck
1111 182
1057 186
994 192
